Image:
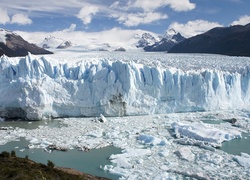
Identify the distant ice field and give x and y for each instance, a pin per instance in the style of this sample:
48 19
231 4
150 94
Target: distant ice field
181 61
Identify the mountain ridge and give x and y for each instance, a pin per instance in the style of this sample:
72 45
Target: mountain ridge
13 45
232 41
169 40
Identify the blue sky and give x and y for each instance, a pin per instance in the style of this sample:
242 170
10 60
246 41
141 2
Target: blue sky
190 17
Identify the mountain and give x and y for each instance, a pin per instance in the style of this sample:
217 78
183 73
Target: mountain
146 40
170 39
13 45
233 41
53 42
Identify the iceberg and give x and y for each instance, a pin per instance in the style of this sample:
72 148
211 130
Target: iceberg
43 87
204 133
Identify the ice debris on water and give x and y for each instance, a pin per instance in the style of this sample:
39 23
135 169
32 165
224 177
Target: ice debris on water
149 148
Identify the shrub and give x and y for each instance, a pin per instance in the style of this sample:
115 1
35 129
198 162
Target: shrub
5 154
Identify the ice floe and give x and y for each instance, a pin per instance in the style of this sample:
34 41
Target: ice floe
201 132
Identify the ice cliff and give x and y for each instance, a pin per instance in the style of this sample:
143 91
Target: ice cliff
41 87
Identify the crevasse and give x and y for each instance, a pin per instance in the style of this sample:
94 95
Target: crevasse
35 89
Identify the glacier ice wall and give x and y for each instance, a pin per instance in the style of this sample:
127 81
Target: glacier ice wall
37 88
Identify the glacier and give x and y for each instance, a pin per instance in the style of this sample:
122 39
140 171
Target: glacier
120 84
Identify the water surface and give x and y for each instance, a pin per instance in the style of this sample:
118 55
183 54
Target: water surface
87 162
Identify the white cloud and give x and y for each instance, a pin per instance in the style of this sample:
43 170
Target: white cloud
243 20
192 28
18 18
115 5
134 19
42 7
147 10
86 13
21 19
70 29
176 5
4 17
130 12
183 5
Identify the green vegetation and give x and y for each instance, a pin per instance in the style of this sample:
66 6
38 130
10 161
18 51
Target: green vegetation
12 167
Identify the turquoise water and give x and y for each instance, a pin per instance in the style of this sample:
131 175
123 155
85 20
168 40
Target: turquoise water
31 124
236 146
87 162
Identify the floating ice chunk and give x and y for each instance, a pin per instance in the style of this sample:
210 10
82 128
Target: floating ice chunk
243 160
150 140
163 176
164 153
34 141
131 153
120 171
102 118
211 158
185 153
122 162
31 146
201 132
96 134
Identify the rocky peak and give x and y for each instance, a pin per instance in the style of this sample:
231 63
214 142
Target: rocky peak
145 40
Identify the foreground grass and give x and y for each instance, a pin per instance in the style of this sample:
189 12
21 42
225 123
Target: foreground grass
15 168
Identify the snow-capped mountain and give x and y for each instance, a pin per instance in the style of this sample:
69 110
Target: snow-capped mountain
170 38
53 42
146 40
11 44
117 84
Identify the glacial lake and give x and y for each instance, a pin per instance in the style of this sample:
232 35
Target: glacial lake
87 162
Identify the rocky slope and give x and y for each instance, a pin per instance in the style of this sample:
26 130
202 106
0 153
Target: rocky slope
13 45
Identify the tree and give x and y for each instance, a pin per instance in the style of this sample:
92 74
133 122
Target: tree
27 157
13 153
50 164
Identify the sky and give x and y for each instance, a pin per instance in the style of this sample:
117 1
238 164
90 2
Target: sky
189 17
